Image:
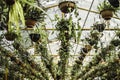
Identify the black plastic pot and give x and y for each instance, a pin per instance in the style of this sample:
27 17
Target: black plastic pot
10 2
92 41
100 27
87 48
10 36
34 37
115 42
114 3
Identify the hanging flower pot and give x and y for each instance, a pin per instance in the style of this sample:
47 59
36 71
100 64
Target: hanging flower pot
10 2
95 34
34 37
106 14
86 49
10 36
67 6
115 42
106 10
33 15
30 23
99 27
114 3
92 41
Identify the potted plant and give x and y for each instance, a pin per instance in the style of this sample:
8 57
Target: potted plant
15 14
99 27
9 2
67 6
34 37
87 48
66 28
37 34
106 10
33 15
114 3
10 36
92 41
115 42
94 34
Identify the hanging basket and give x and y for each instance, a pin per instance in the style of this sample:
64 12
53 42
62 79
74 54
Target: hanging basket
87 48
99 27
114 3
107 14
10 2
34 37
10 36
30 23
67 6
115 42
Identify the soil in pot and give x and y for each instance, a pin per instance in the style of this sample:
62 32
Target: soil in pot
10 36
107 14
10 2
34 37
30 23
67 6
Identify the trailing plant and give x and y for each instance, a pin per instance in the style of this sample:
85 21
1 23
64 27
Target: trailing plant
20 63
3 14
25 56
106 6
46 59
77 66
67 31
15 16
35 36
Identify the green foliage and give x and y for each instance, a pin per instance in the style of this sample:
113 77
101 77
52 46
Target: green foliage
15 16
106 6
34 14
68 28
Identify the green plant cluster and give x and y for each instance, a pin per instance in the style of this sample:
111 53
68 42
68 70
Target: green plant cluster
34 14
106 6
